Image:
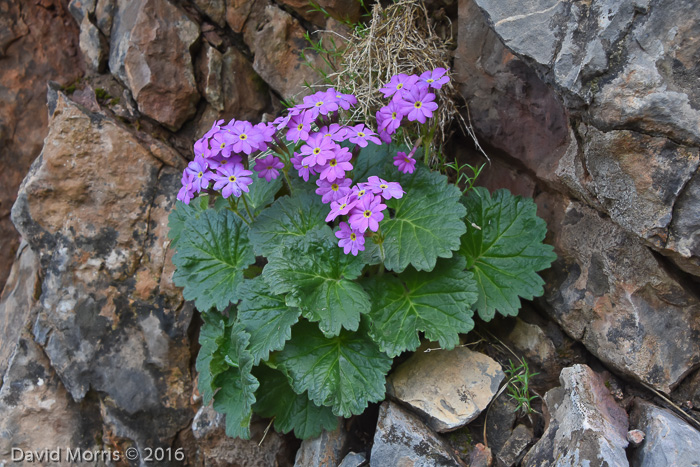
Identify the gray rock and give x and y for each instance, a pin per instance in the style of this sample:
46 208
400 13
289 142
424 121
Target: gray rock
449 388
150 52
608 291
586 426
94 207
353 459
93 46
214 9
104 12
532 342
209 66
669 440
81 9
214 448
499 421
402 439
326 449
514 448
684 236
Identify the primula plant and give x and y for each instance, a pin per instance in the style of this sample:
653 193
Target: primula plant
317 249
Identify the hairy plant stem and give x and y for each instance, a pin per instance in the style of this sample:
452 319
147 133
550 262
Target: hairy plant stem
245 203
234 208
286 179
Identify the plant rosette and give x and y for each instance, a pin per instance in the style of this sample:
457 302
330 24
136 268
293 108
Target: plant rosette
317 250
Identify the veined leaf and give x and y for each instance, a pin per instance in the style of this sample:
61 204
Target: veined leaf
210 336
373 159
236 397
260 194
265 317
211 256
437 303
427 221
183 215
287 222
345 372
292 411
506 252
319 275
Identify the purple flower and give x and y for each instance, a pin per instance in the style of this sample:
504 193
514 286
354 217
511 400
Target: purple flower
266 133
232 179
268 168
215 128
358 192
367 213
333 191
336 167
389 118
418 104
341 207
351 241
318 150
345 101
385 137
435 79
245 138
219 159
222 143
335 131
187 191
299 126
199 170
359 134
304 170
321 102
201 148
404 163
399 83
386 189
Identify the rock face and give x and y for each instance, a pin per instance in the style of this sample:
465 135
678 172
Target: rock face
150 52
326 449
94 207
449 388
669 440
585 427
402 439
38 42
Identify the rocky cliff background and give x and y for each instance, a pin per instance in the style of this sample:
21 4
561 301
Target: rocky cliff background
591 108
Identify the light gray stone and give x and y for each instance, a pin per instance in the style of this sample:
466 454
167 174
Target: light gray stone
514 448
353 459
669 440
449 388
585 427
93 46
328 448
402 439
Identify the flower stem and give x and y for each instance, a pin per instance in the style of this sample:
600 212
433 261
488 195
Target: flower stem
245 203
286 179
234 208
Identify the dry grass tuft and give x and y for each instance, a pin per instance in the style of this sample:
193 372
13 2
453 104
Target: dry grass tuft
399 39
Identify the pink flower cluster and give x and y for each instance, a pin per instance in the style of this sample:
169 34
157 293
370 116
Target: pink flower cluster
218 158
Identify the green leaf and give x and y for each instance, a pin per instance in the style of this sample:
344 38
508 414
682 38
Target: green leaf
345 372
212 254
182 216
265 317
506 252
261 194
236 397
287 221
319 276
437 303
210 336
427 221
292 411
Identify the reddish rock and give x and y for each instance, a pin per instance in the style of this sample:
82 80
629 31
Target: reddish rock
37 43
237 12
150 53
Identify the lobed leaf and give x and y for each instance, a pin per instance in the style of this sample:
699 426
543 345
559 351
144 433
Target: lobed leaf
210 336
183 214
345 372
291 411
438 303
427 221
266 317
287 222
236 397
506 252
211 256
261 193
318 275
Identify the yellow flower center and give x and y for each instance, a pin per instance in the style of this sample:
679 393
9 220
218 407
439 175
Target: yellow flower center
316 151
393 115
360 134
418 104
319 103
200 174
232 178
335 187
300 126
342 206
383 186
399 86
430 80
243 137
333 163
367 213
360 194
353 237
223 145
